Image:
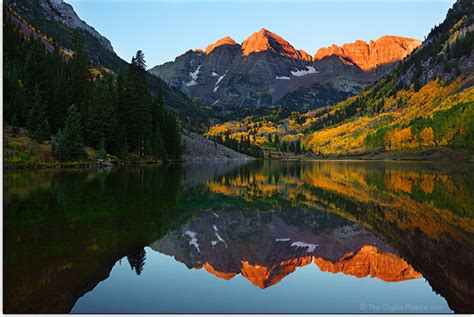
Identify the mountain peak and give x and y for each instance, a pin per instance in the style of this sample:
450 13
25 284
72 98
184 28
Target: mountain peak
385 50
223 41
265 40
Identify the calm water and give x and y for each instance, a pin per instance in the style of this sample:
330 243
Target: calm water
259 237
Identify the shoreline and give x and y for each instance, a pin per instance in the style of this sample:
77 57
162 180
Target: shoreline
425 155
63 166
95 165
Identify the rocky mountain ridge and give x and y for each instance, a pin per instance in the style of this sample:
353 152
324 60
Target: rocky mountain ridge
64 12
369 56
266 70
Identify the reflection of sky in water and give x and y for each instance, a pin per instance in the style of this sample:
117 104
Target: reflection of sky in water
168 286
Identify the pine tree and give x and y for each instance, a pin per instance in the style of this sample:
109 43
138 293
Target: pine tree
37 123
277 139
120 110
157 146
43 132
101 153
138 107
136 260
68 144
297 147
102 117
270 140
172 135
80 76
60 147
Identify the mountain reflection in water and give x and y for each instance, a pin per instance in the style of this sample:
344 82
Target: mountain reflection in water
265 247
64 231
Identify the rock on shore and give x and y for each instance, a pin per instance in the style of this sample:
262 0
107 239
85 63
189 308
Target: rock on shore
198 148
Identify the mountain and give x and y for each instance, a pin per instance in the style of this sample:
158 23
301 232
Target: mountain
266 70
266 247
426 102
425 105
54 22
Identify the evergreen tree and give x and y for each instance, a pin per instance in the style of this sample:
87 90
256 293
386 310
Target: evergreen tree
172 135
120 109
158 112
157 146
102 117
101 153
270 140
136 260
158 115
277 139
297 147
68 144
115 115
80 76
43 132
138 107
292 147
37 123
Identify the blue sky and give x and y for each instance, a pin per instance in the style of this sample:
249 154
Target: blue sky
165 29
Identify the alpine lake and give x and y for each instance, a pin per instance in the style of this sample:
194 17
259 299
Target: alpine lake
230 237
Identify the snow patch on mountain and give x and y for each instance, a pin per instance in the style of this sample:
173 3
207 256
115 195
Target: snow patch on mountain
194 240
311 247
194 76
218 81
304 72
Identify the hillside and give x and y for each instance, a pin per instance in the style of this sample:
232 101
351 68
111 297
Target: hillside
54 22
426 102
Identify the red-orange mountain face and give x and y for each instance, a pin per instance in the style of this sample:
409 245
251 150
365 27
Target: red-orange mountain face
264 276
223 41
370 261
264 40
368 56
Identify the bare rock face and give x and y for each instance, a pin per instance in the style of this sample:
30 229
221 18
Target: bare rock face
63 12
369 56
266 70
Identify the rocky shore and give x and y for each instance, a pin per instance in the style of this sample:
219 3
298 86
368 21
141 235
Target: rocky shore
198 148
